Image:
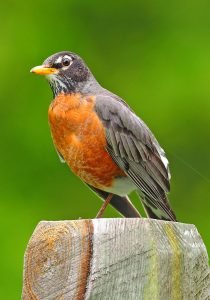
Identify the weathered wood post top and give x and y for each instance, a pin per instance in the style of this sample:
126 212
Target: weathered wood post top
125 259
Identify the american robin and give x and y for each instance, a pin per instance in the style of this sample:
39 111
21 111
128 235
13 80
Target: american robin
103 141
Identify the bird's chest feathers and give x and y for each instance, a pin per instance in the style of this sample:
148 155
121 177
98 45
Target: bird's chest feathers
79 136
73 120
68 113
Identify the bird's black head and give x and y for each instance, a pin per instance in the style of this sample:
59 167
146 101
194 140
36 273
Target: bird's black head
65 71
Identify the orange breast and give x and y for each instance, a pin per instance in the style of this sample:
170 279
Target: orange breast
79 136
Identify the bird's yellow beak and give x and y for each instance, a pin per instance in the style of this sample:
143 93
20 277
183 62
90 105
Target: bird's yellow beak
44 70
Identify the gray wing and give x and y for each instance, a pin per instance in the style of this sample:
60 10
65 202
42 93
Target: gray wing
134 148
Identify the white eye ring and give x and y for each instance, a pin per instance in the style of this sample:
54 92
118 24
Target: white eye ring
66 61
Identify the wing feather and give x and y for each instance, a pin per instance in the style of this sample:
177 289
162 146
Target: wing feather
134 148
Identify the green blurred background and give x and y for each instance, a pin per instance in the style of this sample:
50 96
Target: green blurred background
155 54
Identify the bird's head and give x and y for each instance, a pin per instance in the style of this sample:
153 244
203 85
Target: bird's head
65 71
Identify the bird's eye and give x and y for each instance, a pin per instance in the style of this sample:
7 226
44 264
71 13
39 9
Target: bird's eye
66 61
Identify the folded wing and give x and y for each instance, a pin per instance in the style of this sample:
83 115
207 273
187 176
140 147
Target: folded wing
134 149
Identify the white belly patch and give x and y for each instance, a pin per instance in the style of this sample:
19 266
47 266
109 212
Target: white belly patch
122 186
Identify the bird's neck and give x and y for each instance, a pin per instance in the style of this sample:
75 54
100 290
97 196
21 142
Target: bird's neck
69 86
61 86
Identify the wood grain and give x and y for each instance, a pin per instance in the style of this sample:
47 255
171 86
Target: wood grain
57 260
116 259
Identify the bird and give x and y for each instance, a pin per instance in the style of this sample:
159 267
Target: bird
103 141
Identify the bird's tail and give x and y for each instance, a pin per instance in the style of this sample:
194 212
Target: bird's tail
158 208
124 206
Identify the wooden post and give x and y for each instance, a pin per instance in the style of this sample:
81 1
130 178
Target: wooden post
116 259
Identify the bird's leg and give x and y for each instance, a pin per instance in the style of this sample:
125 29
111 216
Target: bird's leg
104 205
